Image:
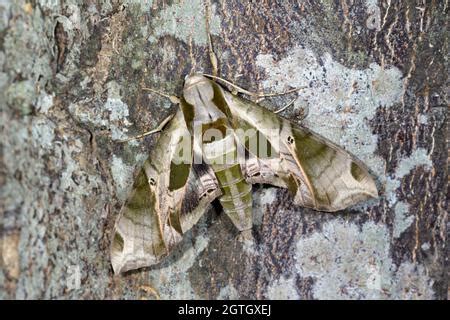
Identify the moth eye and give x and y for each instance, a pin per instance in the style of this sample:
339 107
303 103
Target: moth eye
152 182
290 140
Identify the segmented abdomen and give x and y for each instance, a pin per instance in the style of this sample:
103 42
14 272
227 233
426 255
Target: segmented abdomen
236 196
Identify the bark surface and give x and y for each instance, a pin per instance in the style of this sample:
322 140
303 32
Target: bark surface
71 84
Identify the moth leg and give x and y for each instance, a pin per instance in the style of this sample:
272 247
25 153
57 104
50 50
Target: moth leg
285 107
212 55
157 129
172 98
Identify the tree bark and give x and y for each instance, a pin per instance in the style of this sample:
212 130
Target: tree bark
72 82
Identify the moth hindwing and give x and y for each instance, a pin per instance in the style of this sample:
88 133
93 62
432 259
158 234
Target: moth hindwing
215 147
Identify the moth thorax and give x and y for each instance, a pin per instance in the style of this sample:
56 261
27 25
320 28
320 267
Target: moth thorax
221 153
197 90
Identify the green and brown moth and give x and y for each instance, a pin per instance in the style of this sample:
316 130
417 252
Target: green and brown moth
215 147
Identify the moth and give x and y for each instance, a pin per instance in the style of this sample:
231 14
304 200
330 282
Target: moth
216 146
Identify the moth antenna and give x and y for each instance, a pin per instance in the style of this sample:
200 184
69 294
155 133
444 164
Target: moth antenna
286 106
173 99
157 129
236 88
212 55
253 94
191 55
276 94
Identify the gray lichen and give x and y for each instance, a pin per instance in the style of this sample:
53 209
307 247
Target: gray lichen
419 158
402 220
349 262
228 293
113 114
177 272
374 15
122 175
186 22
283 289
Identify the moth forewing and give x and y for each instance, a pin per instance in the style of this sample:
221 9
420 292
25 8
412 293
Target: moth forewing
149 223
321 175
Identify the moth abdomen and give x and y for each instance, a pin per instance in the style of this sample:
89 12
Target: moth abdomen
237 204
236 198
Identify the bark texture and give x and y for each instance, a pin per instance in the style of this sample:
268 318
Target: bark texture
71 84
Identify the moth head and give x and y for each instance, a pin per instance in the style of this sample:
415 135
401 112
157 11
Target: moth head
197 88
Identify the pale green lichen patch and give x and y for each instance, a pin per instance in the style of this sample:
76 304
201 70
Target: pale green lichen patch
50 5
56 198
172 282
373 21
123 176
413 283
4 13
283 289
42 131
419 157
144 5
228 293
25 37
402 220
44 102
423 119
113 114
20 95
72 178
340 101
185 21
38 194
349 262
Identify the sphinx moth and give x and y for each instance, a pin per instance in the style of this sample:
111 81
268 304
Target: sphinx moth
215 147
